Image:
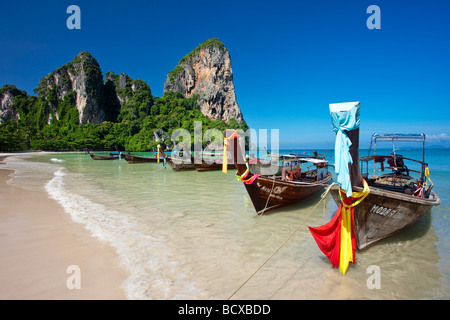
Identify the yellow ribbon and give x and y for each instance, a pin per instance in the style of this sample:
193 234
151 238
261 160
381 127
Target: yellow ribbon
427 174
224 159
346 254
158 153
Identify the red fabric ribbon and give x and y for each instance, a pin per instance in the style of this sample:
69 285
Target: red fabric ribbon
328 236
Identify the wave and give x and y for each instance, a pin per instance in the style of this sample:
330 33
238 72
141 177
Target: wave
154 270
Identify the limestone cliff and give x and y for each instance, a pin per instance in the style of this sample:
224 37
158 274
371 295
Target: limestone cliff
207 72
84 77
8 109
133 98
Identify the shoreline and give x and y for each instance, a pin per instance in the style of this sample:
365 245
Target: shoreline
39 242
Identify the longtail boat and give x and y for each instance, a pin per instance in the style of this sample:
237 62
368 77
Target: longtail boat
211 164
99 157
264 166
181 162
397 200
292 186
370 208
131 158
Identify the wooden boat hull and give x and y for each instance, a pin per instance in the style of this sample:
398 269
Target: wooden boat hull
383 213
180 165
269 194
97 157
201 167
139 159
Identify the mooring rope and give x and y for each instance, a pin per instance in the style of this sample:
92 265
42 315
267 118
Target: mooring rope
285 241
268 198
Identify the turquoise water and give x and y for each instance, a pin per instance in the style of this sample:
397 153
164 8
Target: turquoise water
191 235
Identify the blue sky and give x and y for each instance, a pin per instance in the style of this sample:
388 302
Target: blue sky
290 59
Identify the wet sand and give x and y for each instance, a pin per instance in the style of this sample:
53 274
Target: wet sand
39 242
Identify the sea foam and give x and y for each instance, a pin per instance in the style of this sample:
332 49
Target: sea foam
154 272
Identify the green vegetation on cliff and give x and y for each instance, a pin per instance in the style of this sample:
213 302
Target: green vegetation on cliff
210 43
76 109
136 96
167 113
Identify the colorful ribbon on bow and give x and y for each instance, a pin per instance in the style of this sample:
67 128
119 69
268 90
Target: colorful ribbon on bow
244 176
336 239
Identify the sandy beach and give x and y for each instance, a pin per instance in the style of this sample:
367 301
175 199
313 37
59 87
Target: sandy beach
140 232
39 242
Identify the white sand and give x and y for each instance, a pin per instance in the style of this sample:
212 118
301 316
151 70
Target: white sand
39 241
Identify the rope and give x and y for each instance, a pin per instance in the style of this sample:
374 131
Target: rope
163 167
325 211
268 198
284 242
287 280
